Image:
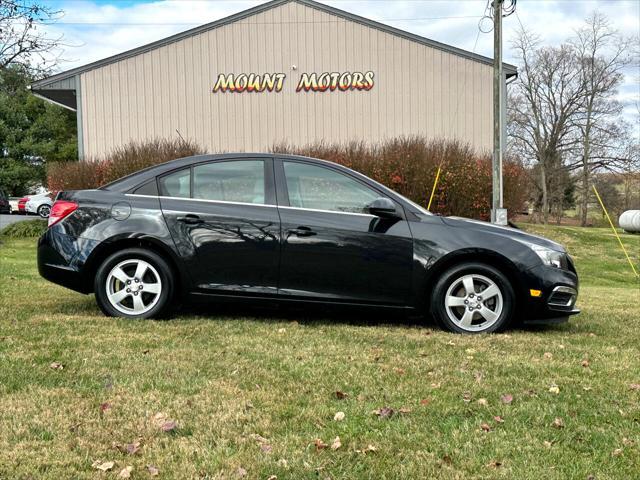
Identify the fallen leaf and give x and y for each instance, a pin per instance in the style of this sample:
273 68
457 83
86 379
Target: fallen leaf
341 395
132 448
466 397
320 445
104 466
105 406
558 423
447 459
586 388
282 330
367 449
384 412
617 452
144 352
399 371
627 442
425 401
494 464
283 463
485 427
435 385
241 472
336 444
585 363
404 410
498 419
451 343
635 386
259 438
506 398
554 389
169 426
153 470
272 477
548 355
266 448
56 366
125 472
339 416
547 443
483 402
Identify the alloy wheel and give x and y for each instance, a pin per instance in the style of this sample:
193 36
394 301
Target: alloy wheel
44 211
133 287
474 302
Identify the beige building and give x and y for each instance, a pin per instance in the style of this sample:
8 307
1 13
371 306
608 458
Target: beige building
293 71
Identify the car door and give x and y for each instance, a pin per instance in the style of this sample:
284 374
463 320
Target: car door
225 224
331 248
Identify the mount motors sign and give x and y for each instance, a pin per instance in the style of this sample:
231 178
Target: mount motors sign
308 82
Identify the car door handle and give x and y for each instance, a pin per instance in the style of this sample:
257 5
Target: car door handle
303 232
190 219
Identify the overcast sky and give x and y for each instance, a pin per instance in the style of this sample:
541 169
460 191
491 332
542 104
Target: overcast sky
100 28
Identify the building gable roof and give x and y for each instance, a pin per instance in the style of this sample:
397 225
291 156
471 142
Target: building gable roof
59 81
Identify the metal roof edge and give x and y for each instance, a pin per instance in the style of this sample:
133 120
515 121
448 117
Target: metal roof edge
509 69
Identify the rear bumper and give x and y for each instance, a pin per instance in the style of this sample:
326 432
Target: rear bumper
559 293
61 259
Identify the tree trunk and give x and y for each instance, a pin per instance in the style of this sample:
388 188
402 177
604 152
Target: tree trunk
545 196
584 201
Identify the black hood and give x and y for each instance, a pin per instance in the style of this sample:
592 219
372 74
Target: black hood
508 232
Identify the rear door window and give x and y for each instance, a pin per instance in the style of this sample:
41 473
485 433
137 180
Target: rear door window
176 184
240 181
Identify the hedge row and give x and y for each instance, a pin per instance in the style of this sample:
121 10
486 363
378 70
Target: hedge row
407 164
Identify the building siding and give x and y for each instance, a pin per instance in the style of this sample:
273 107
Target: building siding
418 89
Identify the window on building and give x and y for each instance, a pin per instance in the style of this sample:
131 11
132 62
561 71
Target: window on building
176 184
232 181
310 186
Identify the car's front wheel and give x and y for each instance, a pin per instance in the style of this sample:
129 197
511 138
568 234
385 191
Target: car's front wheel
473 298
134 283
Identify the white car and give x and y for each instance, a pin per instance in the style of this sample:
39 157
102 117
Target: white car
39 204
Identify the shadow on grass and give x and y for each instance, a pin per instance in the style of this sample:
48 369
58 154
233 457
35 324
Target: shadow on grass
306 314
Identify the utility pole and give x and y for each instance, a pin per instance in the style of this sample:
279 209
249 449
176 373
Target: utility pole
498 213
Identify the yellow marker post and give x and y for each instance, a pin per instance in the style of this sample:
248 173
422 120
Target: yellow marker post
433 190
615 232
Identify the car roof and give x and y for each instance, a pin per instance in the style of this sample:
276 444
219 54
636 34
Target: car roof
141 176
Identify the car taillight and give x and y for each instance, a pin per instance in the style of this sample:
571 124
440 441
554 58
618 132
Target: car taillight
60 210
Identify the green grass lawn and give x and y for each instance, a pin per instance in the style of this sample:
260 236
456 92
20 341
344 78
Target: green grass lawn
250 394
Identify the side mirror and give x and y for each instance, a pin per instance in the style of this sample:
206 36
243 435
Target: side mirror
382 207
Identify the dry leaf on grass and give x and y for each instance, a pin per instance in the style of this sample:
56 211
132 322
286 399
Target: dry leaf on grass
266 448
103 466
241 472
506 398
425 401
169 426
547 443
56 366
485 427
585 363
339 416
336 444
498 419
483 402
272 477
558 423
554 389
494 464
153 470
548 355
617 452
125 472
635 386
384 412
320 445
105 406
367 449
341 395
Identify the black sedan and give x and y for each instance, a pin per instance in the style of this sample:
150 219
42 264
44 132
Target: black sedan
259 227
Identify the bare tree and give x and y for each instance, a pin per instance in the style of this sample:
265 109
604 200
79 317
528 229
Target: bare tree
22 37
602 55
543 105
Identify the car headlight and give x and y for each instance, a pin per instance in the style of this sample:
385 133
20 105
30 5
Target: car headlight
550 257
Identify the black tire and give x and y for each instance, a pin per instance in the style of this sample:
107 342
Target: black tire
162 306
451 278
44 211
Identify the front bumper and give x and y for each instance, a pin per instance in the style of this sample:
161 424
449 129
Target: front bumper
559 293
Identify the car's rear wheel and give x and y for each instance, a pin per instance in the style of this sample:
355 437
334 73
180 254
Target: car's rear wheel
134 283
44 211
473 298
